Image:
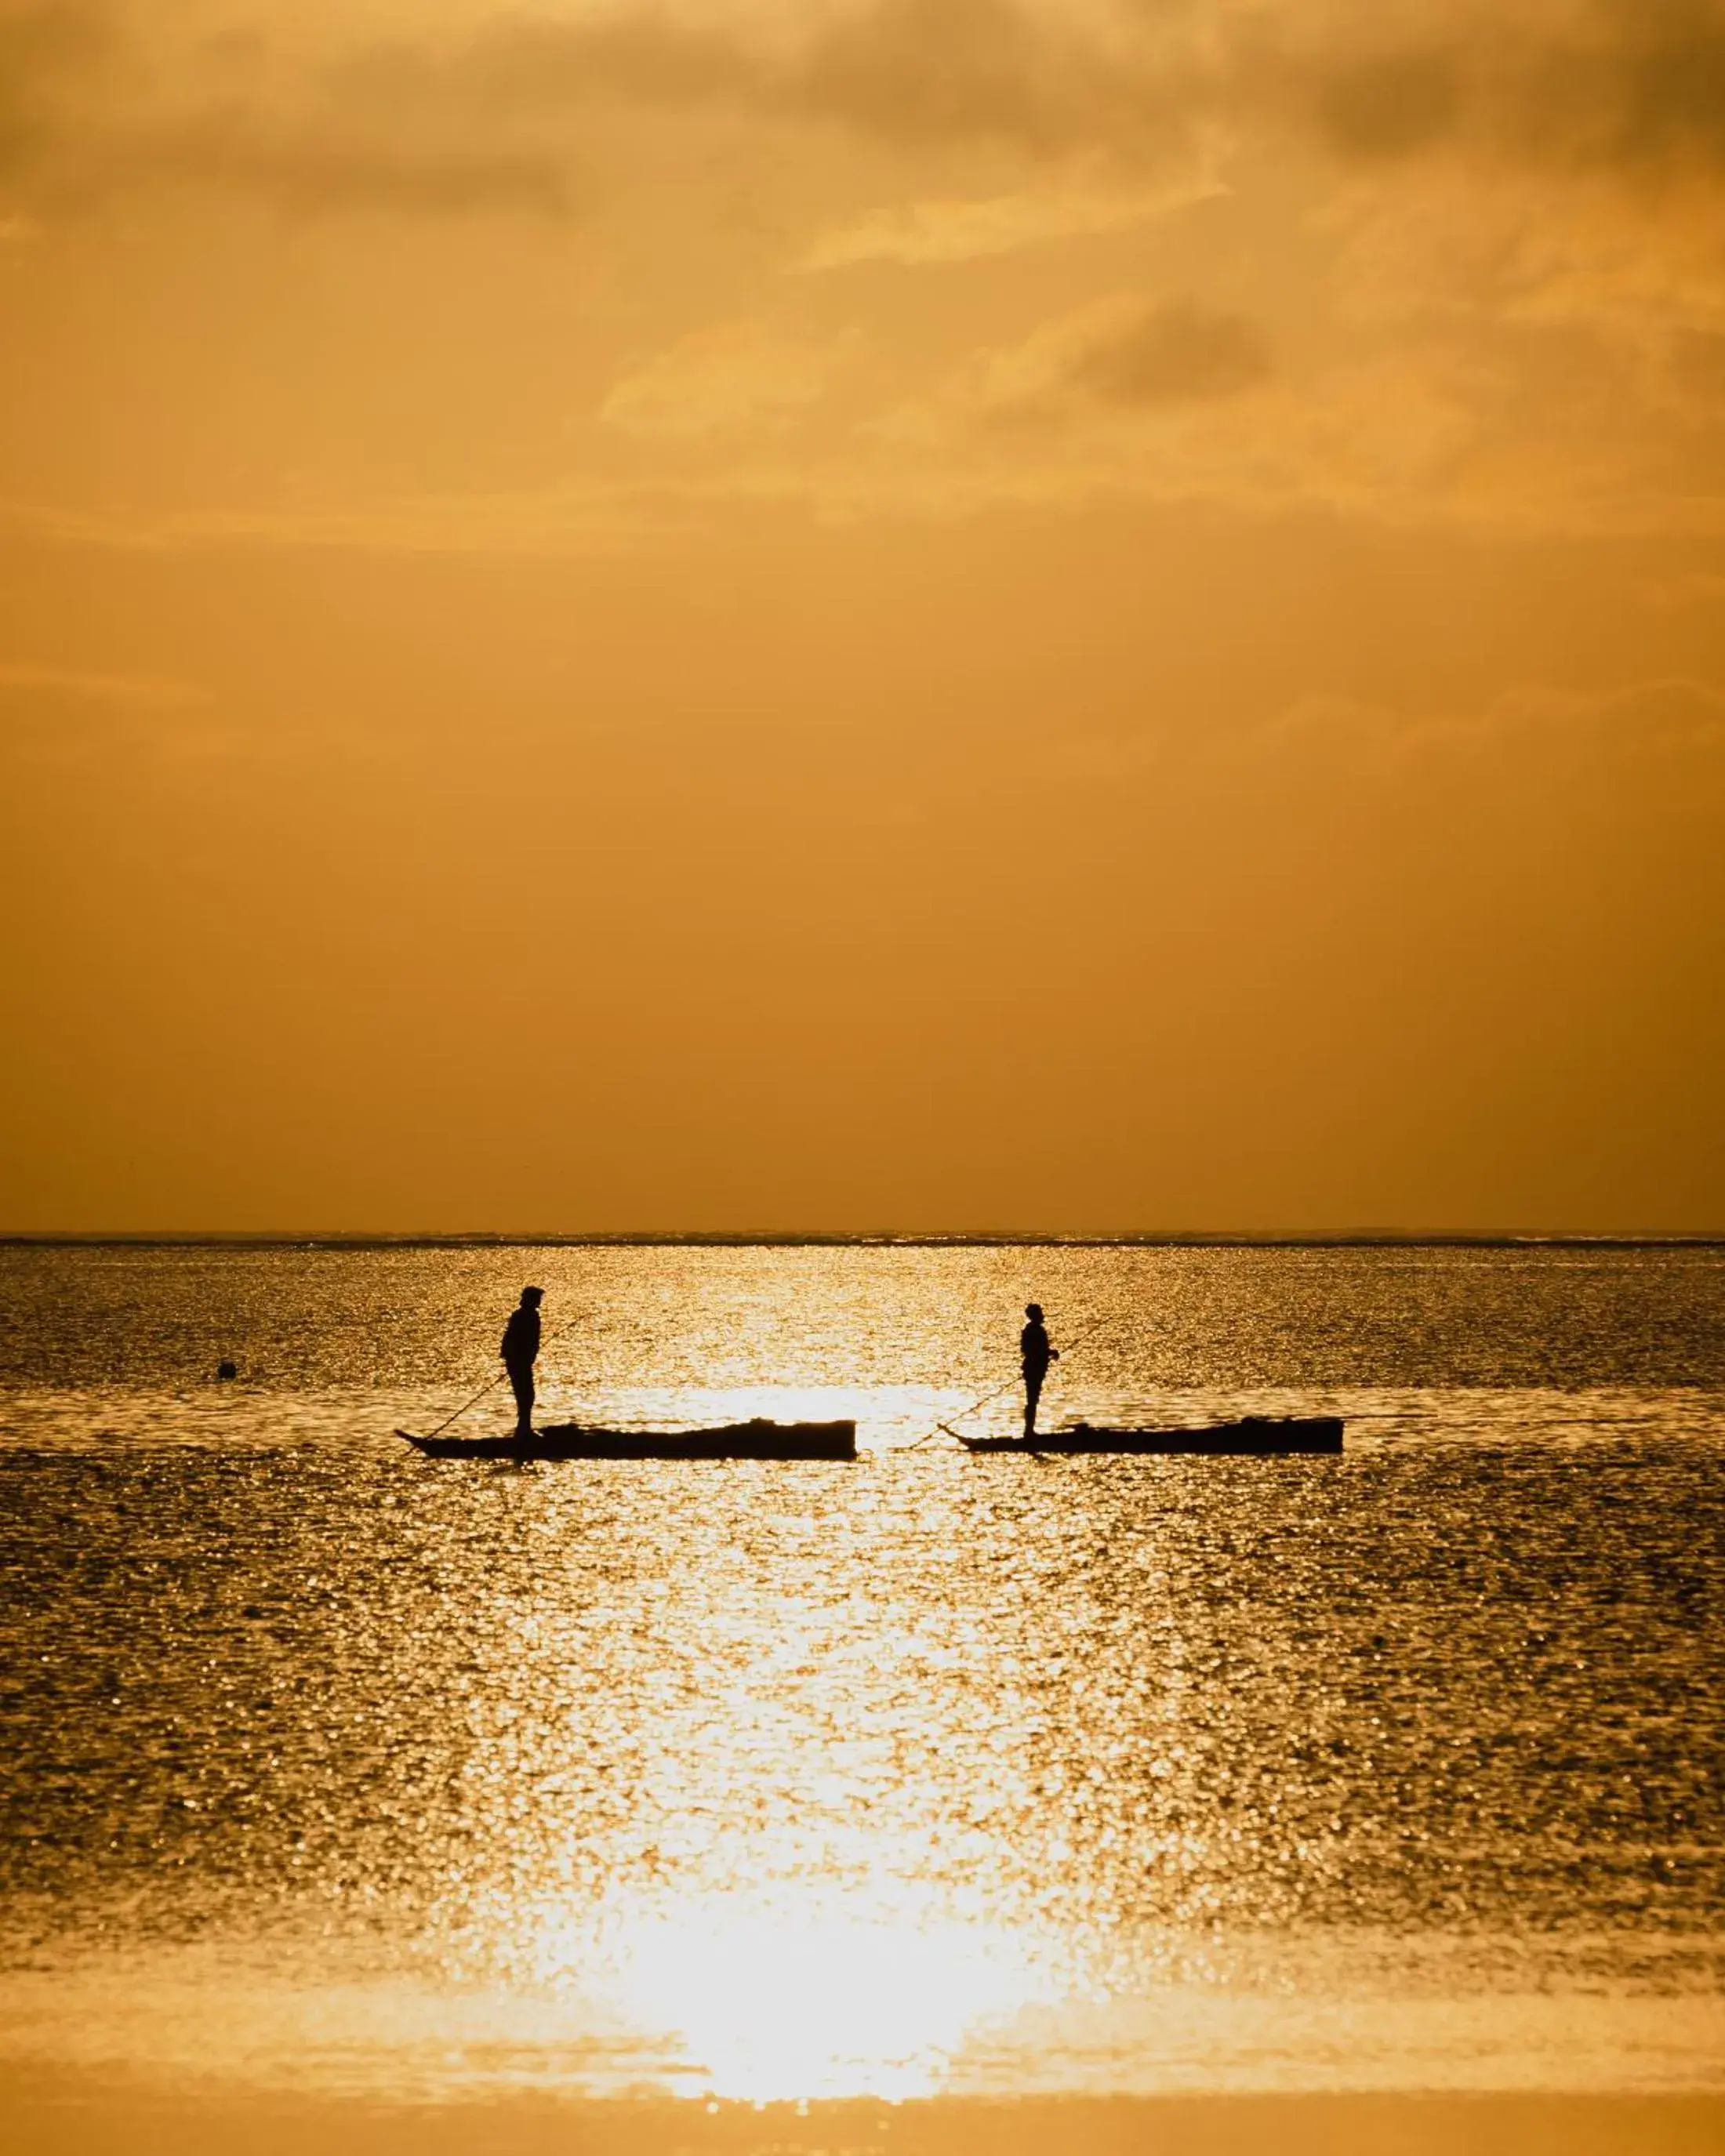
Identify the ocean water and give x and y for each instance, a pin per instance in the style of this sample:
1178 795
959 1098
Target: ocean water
325 1765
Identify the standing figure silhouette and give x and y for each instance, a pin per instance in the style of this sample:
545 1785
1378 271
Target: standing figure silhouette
520 1351
1034 1346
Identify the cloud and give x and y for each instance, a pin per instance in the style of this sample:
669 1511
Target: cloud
69 686
903 71
1460 265
476 117
1389 106
1629 84
1177 354
1676 714
918 233
58 714
1652 723
43 46
919 70
517 63
1128 353
312 169
91 112
1635 87
737 378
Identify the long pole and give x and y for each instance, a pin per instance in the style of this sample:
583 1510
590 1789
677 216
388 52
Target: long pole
1078 1340
490 1385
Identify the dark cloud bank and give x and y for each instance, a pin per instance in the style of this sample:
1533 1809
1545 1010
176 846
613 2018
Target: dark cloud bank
1635 87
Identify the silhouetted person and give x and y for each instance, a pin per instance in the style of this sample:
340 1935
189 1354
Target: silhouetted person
520 1350
1038 1354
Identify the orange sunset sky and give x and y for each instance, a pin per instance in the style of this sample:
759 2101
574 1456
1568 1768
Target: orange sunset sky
1094 614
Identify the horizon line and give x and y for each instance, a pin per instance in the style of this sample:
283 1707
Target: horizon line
931 1238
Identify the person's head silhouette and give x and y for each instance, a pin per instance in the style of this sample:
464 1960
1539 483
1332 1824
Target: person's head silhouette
1033 1311
531 1298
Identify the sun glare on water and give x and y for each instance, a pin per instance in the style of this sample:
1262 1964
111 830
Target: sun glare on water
762 2005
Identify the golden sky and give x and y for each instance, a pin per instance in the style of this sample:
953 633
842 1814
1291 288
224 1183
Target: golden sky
1084 613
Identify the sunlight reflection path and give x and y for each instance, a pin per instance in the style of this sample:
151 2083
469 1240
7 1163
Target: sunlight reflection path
919 1773
766 2002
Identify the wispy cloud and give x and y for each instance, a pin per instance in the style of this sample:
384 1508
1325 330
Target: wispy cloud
51 714
96 691
1670 721
736 377
921 234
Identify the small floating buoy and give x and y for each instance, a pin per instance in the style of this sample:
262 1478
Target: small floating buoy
225 1370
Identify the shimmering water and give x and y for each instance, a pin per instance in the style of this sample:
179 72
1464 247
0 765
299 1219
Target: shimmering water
324 1762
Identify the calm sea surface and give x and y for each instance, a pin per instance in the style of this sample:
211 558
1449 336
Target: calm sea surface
323 1763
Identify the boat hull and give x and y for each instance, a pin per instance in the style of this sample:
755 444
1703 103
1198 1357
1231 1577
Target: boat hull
740 1440
1254 1435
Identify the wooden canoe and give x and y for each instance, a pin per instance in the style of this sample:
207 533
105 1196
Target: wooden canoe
739 1440
1253 1434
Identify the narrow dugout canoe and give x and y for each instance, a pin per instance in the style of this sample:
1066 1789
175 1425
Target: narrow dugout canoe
1253 1435
570 1441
